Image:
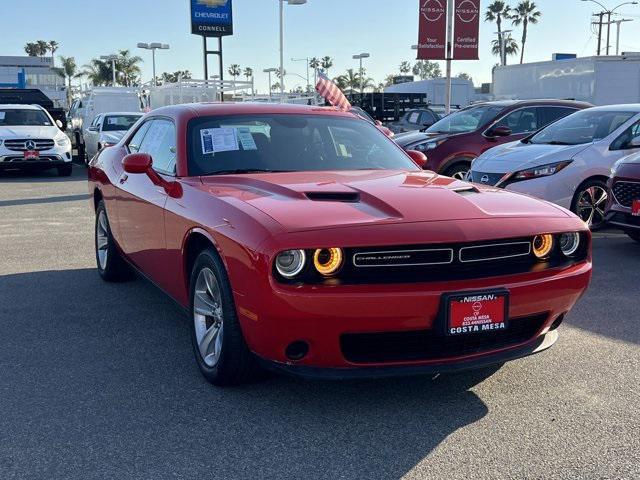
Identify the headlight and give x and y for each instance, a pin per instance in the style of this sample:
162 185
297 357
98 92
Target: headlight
424 147
327 260
569 243
542 245
541 171
63 141
290 263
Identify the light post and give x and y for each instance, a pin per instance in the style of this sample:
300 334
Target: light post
304 60
270 71
360 56
290 2
153 47
112 59
618 22
608 13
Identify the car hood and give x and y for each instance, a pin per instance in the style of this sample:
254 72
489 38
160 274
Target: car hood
318 200
515 156
28 132
409 139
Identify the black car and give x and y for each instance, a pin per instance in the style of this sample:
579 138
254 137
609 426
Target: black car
414 119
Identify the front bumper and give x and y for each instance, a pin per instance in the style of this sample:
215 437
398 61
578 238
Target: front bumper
323 316
49 158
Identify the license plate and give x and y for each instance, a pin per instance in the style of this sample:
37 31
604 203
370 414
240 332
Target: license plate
471 313
635 208
31 155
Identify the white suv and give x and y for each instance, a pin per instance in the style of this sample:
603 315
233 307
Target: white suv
30 138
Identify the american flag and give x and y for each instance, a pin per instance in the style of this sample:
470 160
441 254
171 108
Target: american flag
331 93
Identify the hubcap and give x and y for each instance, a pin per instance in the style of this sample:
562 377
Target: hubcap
207 317
591 203
102 239
459 175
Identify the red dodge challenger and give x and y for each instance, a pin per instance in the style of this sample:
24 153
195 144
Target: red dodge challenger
304 240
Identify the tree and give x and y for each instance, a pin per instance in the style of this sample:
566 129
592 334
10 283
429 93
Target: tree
275 87
326 63
69 70
174 77
98 72
127 66
525 13
426 69
36 49
405 67
315 63
53 47
234 70
248 73
496 12
43 47
510 47
389 80
465 76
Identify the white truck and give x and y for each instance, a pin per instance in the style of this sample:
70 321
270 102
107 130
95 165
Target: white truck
95 102
603 80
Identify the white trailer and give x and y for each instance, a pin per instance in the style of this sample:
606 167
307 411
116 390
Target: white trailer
462 90
603 80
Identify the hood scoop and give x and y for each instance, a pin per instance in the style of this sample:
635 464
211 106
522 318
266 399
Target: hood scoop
466 190
349 197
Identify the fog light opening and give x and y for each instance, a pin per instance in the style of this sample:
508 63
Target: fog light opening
297 350
556 323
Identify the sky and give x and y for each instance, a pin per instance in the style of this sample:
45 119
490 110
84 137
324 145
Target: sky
339 28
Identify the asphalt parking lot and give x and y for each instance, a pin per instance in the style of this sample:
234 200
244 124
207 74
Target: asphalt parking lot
98 381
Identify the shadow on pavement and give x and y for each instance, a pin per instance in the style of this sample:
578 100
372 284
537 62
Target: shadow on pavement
98 380
33 201
38 175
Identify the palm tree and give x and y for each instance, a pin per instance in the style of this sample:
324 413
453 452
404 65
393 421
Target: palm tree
69 70
510 47
405 67
43 47
275 87
315 64
128 67
98 72
525 13
326 63
234 70
248 73
496 12
53 47
37 49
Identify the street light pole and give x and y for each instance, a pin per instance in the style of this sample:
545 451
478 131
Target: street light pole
618 22
304 60
153 47
290 2
360 56
112 59
269 71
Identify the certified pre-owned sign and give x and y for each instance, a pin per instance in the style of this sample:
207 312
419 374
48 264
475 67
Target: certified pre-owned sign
211 18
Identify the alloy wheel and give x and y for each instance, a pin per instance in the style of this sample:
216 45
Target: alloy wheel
208 317
459 175
590 206
102 239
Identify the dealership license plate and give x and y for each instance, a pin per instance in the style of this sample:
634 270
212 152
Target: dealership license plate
31 155
472 313
635 208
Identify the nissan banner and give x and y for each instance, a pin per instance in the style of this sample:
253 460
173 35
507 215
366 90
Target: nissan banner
432 36
466 29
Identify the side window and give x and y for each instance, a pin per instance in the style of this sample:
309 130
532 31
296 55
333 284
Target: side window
631 133
160 143
96 122
413 117
547 115
524 120
427 118
136 140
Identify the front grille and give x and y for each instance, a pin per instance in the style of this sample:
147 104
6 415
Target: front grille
496 251
485 178
431 345
41 158
626 192
20 145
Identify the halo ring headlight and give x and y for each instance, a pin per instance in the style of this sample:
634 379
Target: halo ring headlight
569 243
542 245
327 260
290 262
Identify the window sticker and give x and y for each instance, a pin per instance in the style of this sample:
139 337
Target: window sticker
2 114
112 120
246 139
219 140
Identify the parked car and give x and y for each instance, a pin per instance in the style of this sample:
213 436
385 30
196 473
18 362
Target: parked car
363 114
415 119
31 139
107 129
452 143
567 163
297 238
623 206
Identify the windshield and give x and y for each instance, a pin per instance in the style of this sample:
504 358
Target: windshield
585 126
118 122
466 120
17 117
272 143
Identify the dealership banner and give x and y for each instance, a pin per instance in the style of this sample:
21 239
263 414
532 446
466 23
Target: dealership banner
432 31
211 18
466 29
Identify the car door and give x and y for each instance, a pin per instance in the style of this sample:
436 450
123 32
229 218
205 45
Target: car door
522 122
141 203
91 134
621 146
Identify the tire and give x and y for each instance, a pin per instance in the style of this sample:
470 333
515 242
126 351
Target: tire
634 236
458 171
224 358
82 153
65 170
111 265
589 202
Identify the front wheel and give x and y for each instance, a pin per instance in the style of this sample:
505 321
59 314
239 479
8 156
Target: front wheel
218 344
111 265
459 171
589 202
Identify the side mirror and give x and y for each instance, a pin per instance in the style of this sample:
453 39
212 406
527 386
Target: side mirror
419 158
92 128
378 123
137 163
500 131
59 124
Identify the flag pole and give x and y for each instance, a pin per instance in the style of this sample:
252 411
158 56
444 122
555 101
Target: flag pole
449 55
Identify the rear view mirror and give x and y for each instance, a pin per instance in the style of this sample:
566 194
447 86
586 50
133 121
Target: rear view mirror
501 131
418 157
137 163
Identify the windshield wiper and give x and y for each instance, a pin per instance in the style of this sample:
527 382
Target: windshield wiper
246 170
558 142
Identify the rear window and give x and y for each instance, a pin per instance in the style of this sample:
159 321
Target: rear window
114 123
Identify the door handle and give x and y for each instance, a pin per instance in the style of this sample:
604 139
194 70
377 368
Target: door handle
123 178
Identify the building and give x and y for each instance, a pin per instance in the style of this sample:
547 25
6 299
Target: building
33 72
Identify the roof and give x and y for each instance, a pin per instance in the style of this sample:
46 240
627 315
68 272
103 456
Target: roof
122 113
248 108
546 101
20 106
627 107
